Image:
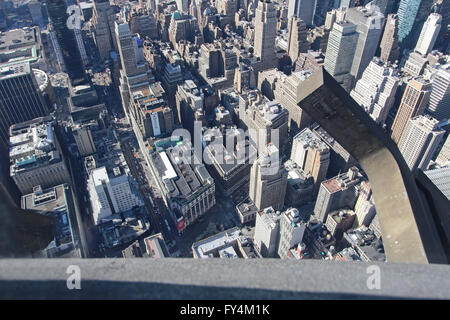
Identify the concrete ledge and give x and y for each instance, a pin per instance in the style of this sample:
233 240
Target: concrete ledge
219 279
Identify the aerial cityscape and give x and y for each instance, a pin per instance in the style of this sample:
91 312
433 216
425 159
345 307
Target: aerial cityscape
190 128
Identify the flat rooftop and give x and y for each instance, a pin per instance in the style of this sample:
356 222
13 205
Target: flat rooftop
221 240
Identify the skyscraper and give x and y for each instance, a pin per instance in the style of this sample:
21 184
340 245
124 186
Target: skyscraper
311 154
340 51
439 106
20 98
429 34
57 11
411 15
265 33
303 9
420 141
369 24
297 38
375 91
268 180
101 15
389 43
414 101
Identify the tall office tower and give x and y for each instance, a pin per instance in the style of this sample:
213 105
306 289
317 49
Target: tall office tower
375 91
369 24
312 155
337 193
297 38
420 141
414 100
35 155
303 9
411 16
292 230
429 34
439 106
130 52
340 52
111 193
389 43
20 98
268 180
265 34
101 15
267 232
135 72
57 11
443 157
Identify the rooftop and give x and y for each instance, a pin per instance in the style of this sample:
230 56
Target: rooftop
181 171
32 144
54 202
204 248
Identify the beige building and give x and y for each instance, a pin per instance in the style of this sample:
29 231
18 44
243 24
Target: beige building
265 34
414 102
290 90
297 42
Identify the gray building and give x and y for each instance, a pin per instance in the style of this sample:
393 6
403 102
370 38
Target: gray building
268 180
103 25
338 192
229 158
292 230
300 185
35 156
303 9
187 187
312 155
266 121
420 141
267 232
369 24
20 98
56 202
341 49
439 106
